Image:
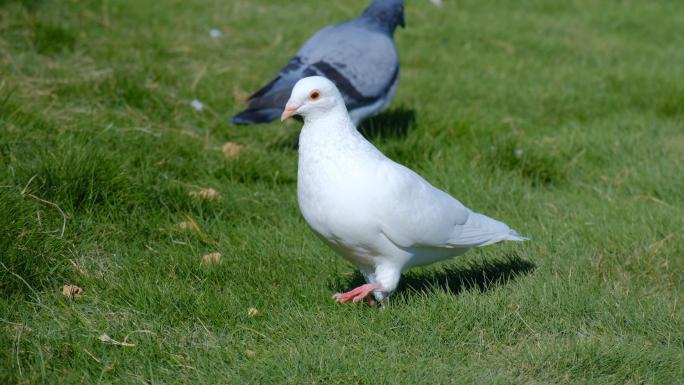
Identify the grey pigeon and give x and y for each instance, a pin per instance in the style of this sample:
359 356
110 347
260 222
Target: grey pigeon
358 56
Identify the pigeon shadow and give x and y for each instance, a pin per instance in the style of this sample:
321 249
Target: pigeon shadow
393 123
482 275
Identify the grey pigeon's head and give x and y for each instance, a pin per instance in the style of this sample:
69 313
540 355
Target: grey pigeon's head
386 14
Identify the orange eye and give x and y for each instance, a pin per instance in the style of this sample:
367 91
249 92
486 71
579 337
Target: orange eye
314 94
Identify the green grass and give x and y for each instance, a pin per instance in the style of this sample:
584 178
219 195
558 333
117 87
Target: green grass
563 119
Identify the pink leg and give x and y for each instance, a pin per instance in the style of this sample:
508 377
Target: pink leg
357 294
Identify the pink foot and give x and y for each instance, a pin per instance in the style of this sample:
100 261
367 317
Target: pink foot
357 294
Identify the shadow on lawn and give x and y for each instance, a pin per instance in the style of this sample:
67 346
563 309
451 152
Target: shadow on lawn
393 123
479 275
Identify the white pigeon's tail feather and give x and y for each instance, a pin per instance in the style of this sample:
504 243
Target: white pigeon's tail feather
480 230
514 236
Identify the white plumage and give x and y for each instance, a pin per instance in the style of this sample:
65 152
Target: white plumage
376 213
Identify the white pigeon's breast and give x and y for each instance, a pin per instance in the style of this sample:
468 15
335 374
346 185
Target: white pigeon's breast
333 198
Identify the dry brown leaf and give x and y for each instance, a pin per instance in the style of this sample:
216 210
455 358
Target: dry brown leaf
207 193
72 291
252 312
250 353
187 225
232 150
211 259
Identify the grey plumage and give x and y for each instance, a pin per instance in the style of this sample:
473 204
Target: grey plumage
359 56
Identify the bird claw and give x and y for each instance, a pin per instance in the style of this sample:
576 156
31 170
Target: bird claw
357 294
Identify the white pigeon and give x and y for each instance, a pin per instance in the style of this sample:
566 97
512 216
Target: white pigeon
376 213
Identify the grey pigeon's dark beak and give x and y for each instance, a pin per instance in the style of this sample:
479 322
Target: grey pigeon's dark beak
402 23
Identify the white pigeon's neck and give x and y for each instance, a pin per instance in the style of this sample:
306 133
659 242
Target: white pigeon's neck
334 122
328 132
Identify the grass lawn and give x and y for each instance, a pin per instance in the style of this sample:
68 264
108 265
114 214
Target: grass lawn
563 119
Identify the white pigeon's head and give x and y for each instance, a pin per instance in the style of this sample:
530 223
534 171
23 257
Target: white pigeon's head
312 97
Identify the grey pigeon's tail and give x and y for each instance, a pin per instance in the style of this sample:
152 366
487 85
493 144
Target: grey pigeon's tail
256 116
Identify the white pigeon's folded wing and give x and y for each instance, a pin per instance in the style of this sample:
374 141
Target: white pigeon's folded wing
413 213
481 230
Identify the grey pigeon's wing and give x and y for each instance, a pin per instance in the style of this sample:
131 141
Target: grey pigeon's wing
362 63
268 103
272 93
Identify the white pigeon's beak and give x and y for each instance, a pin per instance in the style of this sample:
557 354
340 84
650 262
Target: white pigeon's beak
290 109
